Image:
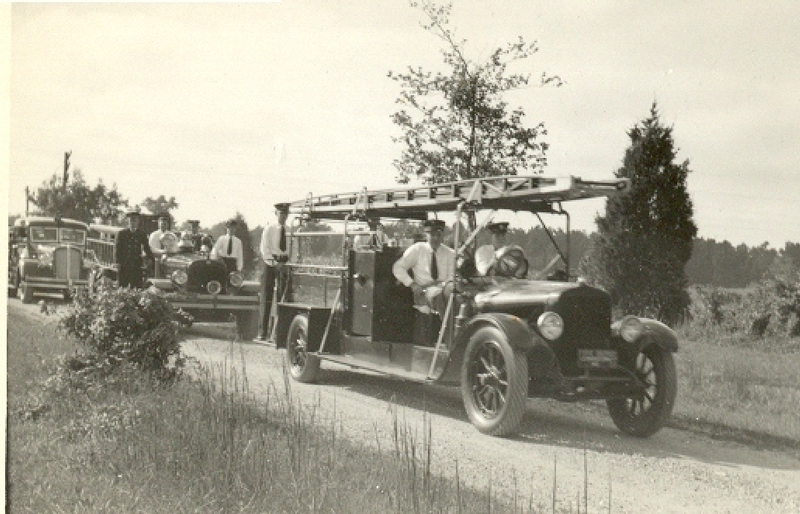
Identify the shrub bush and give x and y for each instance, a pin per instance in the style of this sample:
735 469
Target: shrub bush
769 308
129 327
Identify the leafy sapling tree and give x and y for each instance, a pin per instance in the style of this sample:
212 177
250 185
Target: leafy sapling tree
76 199
160 205
645 238
456 124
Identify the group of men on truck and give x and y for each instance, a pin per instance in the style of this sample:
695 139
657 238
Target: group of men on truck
425 267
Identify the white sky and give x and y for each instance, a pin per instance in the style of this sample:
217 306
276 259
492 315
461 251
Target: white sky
235 107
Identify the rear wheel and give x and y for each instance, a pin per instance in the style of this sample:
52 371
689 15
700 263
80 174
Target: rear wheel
494 382
303 366
643 414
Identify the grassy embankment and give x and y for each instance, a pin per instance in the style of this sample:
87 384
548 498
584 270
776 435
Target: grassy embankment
201 447
739 386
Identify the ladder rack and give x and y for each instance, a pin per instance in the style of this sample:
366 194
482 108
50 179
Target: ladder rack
530 193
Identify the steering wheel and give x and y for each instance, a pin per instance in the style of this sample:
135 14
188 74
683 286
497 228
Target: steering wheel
170 242
511 262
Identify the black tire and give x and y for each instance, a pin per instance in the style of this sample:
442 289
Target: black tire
13 285
247 325
494 382
644 414
302 366
25 293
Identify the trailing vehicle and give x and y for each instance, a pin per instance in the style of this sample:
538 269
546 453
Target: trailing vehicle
46 255
500 338
208 289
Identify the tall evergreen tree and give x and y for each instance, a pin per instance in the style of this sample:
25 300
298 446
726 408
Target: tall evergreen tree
645 238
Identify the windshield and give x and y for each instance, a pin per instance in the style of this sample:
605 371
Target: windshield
72 235
40 234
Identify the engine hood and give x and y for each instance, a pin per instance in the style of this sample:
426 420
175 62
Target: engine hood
510 293
183 260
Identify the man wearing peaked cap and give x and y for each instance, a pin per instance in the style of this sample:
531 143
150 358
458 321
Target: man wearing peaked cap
485 256
274 249
432 263
229 246
156 244
129 246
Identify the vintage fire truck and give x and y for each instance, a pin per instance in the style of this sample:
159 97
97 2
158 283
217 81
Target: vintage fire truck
208 289
501 338
46 255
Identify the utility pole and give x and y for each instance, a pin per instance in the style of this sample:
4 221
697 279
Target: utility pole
27 199
66 168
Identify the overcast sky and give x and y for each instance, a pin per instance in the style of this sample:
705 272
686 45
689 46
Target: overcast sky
235 107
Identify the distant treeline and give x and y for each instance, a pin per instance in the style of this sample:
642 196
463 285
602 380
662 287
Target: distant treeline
713 263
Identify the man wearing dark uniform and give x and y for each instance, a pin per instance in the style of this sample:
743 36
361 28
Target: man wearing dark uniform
128 248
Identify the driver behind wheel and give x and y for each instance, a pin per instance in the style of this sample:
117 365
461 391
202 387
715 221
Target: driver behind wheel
498 258
486 255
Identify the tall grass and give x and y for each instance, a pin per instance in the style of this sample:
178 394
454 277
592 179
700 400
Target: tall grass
738 383
209 445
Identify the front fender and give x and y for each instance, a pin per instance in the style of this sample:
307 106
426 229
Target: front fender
27 266
162 284
517 332
655 333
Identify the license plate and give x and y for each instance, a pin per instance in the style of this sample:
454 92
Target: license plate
597 358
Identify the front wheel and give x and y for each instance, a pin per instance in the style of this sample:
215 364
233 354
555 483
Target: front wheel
303 366
13 286
25 293
644 413
494 382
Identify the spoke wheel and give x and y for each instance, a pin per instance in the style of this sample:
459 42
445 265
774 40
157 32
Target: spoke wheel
494 382
644 414
302 366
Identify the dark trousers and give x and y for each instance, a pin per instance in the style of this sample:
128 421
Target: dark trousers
268 279
130 276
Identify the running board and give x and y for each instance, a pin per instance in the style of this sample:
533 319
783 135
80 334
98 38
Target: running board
416 369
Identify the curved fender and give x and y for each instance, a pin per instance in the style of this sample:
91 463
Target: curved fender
162 284
655 333
26 265
517 331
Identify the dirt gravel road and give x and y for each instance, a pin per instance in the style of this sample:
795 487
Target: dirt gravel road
674 471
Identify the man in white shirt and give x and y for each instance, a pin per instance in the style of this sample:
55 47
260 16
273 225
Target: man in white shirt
274 251
485 256
229 246
156 246
155 237
432 264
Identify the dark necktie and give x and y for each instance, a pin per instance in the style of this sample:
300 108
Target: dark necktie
283 238
434 267
230 245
